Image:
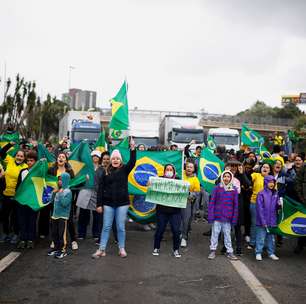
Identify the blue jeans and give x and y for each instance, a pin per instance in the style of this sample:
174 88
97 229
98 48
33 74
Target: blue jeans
109 213
264 239
216 228
253 224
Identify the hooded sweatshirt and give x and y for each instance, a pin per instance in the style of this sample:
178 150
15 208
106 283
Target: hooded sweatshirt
62 200
223 205
267 203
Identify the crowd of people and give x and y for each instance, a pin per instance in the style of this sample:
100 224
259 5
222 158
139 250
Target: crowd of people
243 205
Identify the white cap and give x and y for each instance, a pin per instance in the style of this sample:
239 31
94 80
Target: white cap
96 153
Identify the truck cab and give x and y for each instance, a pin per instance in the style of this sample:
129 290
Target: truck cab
85 130
227 137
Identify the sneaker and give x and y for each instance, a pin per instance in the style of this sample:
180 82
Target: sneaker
152 226
14 239
146 228
232 257
60 254
155 252
21 245
258 257
130 220
98 254
74 245
176 254
42 236
247 239
52 246
250 247
212 255
183 243
30 244
274 257
52 252
122 253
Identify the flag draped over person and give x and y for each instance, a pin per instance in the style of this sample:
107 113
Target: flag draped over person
82 165
100 144
291 220
250 137
36 189
120 113
210 168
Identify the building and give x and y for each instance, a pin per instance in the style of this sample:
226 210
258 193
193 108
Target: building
80 100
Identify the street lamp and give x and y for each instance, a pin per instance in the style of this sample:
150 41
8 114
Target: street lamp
69 76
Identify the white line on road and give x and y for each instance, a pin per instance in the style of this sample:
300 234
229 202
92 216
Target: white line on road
258 289
8 260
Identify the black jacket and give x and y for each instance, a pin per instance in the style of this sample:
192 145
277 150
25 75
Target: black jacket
113 186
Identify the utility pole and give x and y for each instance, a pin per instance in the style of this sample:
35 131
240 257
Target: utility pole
69 76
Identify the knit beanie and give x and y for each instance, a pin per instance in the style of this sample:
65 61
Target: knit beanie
116 153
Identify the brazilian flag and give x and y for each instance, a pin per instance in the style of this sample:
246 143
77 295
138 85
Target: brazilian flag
120 113
141 211
210 169
211 143
44 153
8 137
100 144
291 220
150 163
124 143
82 165
36 189
250 137
264 153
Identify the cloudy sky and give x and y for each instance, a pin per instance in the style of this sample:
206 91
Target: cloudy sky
176 55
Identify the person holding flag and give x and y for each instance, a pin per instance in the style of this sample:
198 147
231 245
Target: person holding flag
9 209
113 199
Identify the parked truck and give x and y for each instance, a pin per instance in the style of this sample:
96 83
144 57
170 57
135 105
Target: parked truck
80 125
181 130
144 128
226 137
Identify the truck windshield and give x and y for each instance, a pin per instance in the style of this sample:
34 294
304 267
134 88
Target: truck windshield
226 139
78 136
187 137
147 141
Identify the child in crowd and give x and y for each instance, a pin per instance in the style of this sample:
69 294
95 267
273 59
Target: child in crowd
267 203
222 213
60 216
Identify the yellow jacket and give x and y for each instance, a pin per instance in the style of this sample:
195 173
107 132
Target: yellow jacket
258 185
193 181
11 176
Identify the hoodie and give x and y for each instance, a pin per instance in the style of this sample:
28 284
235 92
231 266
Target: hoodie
223 204
267 203
62 200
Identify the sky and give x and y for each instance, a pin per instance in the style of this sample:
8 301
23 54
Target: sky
220 56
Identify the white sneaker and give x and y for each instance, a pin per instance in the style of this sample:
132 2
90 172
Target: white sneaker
274 257
74 245
176 254
130 220
146 228
258 257
155 252
247 239
183 243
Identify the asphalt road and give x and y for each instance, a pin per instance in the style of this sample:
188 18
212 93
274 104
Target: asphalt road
142 278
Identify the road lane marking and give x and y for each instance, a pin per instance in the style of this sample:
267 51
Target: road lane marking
8 260
262 294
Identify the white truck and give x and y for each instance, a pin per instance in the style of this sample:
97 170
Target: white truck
144 128
229 138
181 130
80 125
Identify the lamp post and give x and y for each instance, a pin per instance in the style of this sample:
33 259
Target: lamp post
69 76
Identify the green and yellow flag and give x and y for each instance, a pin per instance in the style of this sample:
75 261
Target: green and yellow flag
82 165
291 220
36 189
120 113
210 169
100 144
124 143
44 153
250 137
8 137
150 163
211 143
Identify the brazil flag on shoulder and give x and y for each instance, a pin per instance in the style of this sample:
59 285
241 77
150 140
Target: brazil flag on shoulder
150 163
210 168
36 189
291 220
